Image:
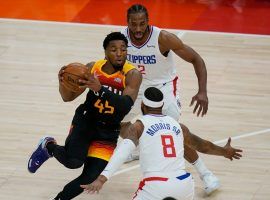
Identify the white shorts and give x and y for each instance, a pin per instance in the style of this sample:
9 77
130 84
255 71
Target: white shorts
172 104
158 188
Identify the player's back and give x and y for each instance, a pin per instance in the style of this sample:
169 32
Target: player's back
161 146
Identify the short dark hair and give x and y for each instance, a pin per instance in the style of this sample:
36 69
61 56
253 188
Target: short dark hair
137 8
169 198
153 94
114 36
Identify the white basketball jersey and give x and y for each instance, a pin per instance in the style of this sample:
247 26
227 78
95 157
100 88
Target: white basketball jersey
155 67
161 145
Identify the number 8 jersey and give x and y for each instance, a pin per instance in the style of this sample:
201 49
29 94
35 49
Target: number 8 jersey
161 145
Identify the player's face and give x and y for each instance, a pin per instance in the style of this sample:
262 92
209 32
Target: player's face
116 53
138 26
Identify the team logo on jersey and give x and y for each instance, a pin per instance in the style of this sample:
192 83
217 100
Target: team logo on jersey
151 46
118 80
139 59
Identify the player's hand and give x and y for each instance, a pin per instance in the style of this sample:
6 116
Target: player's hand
201 106
95 186
90 81
60 73
230 152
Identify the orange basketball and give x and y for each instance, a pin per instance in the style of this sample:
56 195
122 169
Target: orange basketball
72 73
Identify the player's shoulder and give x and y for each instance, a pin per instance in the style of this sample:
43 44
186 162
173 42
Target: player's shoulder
129 68
95 64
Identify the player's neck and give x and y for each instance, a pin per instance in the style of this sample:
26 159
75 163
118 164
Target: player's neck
108 68
154 111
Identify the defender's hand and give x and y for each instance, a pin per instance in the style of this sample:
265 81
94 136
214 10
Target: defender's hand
201 100
232 153
95 186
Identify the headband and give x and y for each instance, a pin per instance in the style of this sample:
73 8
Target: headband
152 104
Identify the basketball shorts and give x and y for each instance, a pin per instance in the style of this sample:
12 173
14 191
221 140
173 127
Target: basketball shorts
172 104
158 188
101 149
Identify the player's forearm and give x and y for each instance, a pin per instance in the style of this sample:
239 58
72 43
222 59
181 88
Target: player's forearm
201 73
208 147
123 103
119 156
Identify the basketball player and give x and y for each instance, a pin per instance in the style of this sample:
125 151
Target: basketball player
151 50
161 143
114 86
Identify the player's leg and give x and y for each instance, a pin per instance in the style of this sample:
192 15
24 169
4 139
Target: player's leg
131 118
99 154
73 154
92 168
172 107
210 181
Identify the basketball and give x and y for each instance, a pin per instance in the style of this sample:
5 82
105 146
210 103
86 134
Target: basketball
72 73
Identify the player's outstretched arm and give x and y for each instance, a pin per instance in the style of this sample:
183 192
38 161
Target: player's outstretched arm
207 147
169 41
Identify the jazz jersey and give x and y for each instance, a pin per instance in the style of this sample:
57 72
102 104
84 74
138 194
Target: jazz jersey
101 110
161 145
155 67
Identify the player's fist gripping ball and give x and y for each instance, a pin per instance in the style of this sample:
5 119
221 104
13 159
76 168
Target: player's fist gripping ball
71 75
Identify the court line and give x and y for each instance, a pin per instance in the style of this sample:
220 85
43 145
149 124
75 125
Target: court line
119 26
216 142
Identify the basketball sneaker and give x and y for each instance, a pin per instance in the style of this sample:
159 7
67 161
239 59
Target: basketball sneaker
40 155
211 182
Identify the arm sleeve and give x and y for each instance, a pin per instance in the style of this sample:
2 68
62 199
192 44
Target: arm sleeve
119 157
123 103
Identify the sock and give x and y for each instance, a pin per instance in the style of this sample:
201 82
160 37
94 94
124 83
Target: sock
200 167
51 146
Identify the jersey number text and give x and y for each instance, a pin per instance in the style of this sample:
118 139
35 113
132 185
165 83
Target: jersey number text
104 108
168 146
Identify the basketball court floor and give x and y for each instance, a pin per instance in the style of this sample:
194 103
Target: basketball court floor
38 37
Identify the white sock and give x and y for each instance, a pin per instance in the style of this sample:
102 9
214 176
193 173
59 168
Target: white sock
200 167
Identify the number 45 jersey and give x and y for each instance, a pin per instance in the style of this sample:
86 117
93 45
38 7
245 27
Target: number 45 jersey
161 145
101 110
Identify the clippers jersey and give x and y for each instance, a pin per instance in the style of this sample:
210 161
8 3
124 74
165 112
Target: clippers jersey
104 111
161 145
155 67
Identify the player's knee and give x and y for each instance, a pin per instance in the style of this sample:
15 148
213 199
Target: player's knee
74 163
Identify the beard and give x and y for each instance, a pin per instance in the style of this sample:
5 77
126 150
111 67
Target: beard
118 67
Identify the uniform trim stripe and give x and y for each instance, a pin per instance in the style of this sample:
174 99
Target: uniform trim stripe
138 47
174 85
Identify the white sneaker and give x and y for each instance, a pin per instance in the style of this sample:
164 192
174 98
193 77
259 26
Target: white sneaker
211 182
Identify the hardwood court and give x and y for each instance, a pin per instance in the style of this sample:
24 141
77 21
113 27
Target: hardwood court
31 54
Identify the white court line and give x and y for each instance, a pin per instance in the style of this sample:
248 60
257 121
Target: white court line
216 142
118 26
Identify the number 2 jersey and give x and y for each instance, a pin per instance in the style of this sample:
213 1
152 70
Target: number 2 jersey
104 112
155 67
161 146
